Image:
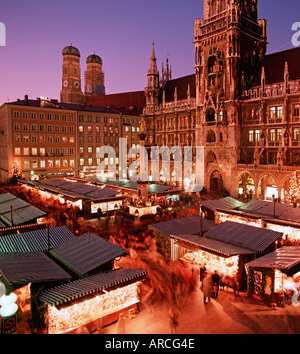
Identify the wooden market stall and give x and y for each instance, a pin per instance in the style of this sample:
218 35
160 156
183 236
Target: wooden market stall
275 277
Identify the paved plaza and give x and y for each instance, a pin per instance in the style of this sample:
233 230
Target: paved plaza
228 314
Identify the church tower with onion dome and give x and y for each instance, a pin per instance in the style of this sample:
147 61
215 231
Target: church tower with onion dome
71 78
94 76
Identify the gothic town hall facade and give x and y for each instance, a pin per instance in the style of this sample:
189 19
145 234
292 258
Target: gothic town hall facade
241 105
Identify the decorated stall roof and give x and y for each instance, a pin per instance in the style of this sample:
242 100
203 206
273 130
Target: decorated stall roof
219 247
153 188
35 241
283 258
86 253
90 285
104 193
15 211
185 225
249 237
261 209
75 190
4 197
265 208
128 184
292 214
227 203
23 268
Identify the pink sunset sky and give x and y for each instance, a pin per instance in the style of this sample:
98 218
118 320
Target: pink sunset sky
119 31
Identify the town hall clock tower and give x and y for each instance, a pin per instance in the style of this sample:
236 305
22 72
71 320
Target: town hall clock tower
230 42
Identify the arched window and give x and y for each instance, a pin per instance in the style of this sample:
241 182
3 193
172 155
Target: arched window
211 137
210 115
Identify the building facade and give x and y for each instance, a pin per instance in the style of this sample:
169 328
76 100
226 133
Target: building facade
45 137
240 104
102 126
37 137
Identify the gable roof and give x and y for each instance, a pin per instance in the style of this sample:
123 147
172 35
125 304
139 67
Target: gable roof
35 241
75 189
89 285
23 268
283 258
182 87
187 225
129 103
216 246
15 211
86 253
265 208
249 237
222 203
274 65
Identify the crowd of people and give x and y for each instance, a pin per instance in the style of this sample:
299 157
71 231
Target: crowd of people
211 282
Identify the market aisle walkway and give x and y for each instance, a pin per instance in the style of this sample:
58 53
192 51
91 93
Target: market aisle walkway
228 314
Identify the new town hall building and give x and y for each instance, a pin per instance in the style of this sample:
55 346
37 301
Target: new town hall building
242 105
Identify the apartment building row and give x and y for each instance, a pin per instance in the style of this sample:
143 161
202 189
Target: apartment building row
45 137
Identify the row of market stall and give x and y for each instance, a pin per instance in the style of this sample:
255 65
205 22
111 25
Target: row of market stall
16 212
90 199
95 198
64 282
237 251
275 216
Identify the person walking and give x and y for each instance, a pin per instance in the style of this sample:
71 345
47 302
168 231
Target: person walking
173 318
216 282
207 287
121 324
202 273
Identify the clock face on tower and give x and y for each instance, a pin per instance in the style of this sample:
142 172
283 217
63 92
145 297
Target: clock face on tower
76 84
65 83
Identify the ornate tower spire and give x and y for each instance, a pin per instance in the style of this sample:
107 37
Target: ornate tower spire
153 66
152 89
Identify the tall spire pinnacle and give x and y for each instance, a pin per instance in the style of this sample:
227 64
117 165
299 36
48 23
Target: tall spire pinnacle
153 66
153 51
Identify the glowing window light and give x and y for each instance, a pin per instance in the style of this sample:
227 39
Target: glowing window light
240 219
225 266
289 232
283 282
271 191
81 313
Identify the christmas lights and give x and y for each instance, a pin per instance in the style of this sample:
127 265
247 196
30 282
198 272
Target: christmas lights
224 266
284 283
86 311
293 194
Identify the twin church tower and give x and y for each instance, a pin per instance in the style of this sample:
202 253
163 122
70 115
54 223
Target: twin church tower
71 77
